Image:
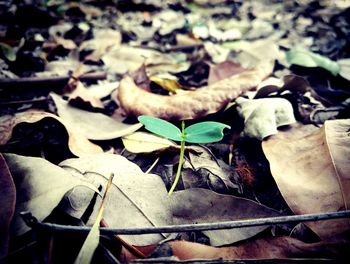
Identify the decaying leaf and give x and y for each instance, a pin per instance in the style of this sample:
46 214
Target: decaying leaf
344 65
104 39
7 205
212 171
143 142
205 206
267 249
311 169
33 193
96 126
190 104
83 97
91 242
136 199
223 70
262 117
125 58
77 143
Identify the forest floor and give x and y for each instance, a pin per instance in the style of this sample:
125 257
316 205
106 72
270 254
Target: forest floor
202 131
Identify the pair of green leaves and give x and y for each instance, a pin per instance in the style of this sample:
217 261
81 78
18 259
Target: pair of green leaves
204 132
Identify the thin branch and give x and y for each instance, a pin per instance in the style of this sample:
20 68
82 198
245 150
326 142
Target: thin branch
32 222
47 82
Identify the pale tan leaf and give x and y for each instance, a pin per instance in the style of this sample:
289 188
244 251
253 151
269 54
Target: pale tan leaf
204 206
83 96
104 39
7 205
91 242
95 126
143 142
190 104
40 185
136 199
263 116
311 169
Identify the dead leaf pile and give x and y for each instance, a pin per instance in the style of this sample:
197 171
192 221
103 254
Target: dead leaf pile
76 76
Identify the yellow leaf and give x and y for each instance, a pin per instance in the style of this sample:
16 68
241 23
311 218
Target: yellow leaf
143 142
168 84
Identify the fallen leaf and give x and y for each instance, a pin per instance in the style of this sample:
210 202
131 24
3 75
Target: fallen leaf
262 117
223 70
96 126
77 143
8 52
255 51
104 39
204 206
170 85
272 250
189 104
83 98
344 71
7 208
129 59
311 169
310 59
142 142
211 170
91 242
33 193
136 199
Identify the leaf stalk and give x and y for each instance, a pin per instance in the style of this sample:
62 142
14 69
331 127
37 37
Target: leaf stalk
181 158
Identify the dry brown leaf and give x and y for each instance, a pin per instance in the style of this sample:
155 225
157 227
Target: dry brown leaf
223 70
311 169
82 96
190 104
104 39
94 126
77 143
8 202
268 248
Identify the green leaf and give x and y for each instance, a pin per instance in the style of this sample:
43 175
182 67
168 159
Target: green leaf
8 51
310 59
161 127
205 132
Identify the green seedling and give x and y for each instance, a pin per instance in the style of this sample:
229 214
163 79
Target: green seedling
204 132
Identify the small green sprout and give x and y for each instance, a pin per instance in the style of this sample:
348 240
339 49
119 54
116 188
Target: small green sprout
204 132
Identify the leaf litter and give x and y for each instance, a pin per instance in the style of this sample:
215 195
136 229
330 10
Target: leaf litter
75 78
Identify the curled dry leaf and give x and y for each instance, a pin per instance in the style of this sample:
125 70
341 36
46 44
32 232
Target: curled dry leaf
190 104
262 117
78 144
95 126
7 205
311 169
83 97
